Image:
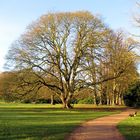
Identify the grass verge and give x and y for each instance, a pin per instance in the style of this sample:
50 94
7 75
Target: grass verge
130 127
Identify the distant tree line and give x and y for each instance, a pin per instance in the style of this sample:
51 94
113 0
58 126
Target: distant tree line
69 53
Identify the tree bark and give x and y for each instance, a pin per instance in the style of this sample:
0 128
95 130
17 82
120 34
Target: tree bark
66 102
52 99
94 99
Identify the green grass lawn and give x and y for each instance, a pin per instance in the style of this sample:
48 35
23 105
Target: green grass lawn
41 122
130 127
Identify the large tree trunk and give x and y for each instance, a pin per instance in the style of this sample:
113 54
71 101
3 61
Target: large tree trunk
100 98
122 100
95 94
107 96
112 100
66 101
119 100
94 99
52 99
107 99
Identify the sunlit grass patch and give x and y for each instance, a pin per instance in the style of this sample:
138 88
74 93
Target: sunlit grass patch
130 127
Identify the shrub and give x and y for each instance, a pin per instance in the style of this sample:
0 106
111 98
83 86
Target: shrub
132 96
42 101
88 100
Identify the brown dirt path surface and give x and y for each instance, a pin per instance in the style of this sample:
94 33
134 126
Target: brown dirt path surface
103 128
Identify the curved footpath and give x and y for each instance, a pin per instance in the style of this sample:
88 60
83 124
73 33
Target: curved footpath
103 128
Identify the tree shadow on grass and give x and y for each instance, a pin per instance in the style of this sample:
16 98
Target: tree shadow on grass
130 131
36 132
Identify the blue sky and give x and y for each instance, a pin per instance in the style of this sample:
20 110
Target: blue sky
15 15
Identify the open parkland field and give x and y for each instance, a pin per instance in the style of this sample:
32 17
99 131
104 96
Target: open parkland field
47 122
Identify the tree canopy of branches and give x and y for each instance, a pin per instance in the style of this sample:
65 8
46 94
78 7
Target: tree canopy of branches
67 52
8 85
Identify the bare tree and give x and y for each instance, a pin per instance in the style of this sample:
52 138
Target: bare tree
109 61
63 51
53 47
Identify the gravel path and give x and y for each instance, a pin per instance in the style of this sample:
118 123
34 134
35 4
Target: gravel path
103 128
